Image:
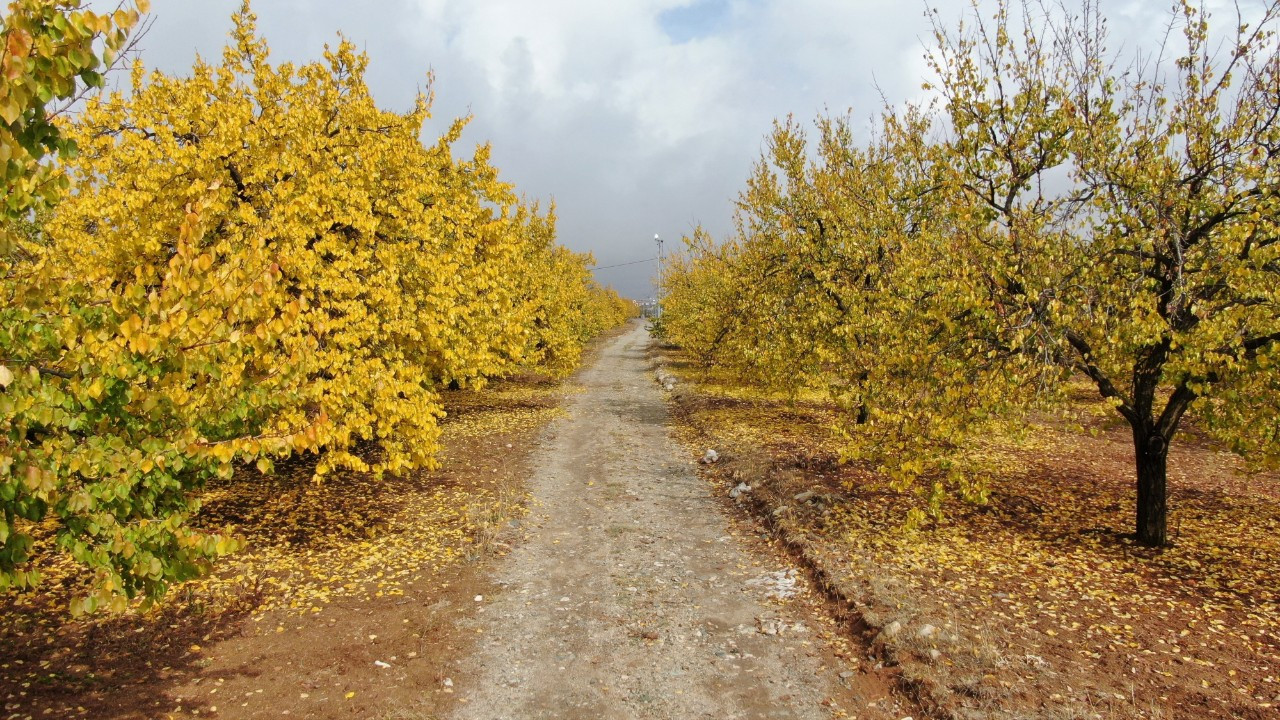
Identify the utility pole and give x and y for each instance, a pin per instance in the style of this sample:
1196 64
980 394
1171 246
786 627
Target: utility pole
658 240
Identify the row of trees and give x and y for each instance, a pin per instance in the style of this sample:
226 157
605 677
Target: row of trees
1054 213
232 267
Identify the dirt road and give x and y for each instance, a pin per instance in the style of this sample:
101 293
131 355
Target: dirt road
629 598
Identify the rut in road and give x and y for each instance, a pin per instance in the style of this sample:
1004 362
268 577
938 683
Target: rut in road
629 598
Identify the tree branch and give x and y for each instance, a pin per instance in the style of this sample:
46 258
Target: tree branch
1105 386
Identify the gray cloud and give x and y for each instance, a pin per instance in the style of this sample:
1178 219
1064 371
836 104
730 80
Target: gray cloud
637 116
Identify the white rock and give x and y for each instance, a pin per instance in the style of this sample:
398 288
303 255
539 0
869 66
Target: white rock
447 682
891 630
781 584
739 489
381 664
710 456
770 626
926 631
479 598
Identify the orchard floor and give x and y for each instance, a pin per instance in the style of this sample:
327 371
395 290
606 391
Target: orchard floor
1036 605
633 596
572 559
336 577
566 561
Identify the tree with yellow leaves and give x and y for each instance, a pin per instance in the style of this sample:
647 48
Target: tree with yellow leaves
1057 216
561 305
251 262
1154 272
47 53
839 279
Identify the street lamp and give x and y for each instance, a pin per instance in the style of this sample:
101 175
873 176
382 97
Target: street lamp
658 240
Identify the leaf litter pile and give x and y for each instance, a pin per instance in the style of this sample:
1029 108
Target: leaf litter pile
1035 604
349 540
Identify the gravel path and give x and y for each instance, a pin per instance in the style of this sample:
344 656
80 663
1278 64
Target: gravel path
629 598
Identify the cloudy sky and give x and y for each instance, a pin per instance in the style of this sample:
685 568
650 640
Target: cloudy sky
639 117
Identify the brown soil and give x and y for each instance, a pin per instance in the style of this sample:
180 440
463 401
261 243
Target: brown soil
634 588
632 597
285 629
332 613
1042 606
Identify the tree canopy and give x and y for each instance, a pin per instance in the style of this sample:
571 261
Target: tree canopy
1055 213
248 262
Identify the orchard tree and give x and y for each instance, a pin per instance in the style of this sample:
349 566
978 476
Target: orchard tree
50 50
702 299
1181 255
48 53
559 305
841 277
1153 269
251 261
1060 213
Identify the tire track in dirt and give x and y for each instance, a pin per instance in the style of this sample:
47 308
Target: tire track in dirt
629 598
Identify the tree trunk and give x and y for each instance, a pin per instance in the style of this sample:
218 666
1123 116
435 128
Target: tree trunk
1151 450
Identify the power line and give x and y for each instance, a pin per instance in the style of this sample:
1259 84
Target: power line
633 262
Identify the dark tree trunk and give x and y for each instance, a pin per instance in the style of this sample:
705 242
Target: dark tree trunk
1152 433
1151 450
